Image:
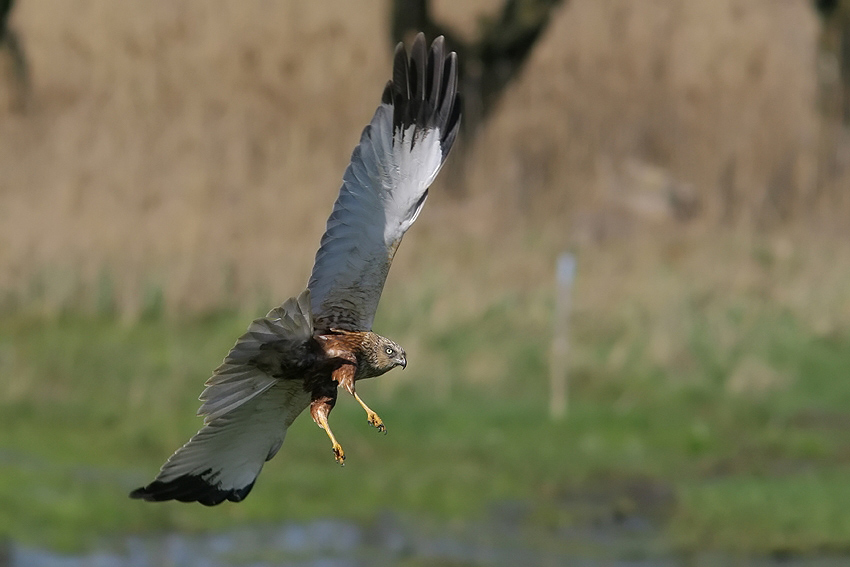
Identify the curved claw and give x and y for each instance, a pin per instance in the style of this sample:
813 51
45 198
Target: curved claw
339 454
376 422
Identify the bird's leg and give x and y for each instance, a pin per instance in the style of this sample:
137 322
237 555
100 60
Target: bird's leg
320 408
373 418
345 378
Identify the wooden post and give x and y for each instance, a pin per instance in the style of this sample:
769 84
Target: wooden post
565 273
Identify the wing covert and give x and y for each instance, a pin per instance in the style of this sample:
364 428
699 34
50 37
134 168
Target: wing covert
271 345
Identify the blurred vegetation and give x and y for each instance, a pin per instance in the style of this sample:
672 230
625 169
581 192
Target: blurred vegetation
727 427
171 180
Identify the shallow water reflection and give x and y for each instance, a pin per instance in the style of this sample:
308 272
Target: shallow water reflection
391 540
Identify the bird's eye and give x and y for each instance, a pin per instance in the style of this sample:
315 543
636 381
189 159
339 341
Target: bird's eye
389 351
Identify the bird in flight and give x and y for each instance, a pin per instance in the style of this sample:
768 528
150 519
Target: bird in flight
299 354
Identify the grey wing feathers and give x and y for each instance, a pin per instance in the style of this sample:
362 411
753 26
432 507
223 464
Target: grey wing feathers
250 367
222 460
385 185
247 411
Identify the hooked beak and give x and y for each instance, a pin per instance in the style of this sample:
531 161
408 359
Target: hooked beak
403 363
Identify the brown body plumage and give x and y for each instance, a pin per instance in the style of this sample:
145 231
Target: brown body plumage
346 357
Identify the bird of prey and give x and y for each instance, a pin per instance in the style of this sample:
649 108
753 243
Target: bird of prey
303 351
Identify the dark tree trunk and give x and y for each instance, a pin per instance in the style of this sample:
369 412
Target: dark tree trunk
5 8
836 14
489 63
844 66
9 40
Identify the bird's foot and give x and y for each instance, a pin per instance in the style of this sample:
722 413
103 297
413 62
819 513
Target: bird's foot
376 422
373 418
339 454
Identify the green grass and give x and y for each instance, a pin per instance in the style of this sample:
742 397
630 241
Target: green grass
90 407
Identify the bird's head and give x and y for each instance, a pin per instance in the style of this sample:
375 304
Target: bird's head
385 355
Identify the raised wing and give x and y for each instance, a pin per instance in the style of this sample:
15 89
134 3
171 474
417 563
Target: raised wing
385 185
248 405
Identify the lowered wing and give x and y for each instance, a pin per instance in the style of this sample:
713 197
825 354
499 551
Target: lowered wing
222 460
385 185
247 409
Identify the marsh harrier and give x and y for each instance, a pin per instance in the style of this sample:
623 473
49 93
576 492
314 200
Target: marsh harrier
301 352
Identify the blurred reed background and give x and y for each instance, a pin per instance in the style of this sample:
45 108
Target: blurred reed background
171 171
191 151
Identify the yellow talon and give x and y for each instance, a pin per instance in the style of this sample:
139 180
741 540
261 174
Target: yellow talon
373 418
339 454
376 422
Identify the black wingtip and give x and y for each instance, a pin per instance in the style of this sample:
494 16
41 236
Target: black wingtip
189 488
138 494
400 72
423 90
418 70
454 122
387 97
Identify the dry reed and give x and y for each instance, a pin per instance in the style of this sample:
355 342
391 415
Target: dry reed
191 151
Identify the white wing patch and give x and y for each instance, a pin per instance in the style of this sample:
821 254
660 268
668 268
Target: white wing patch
417 167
